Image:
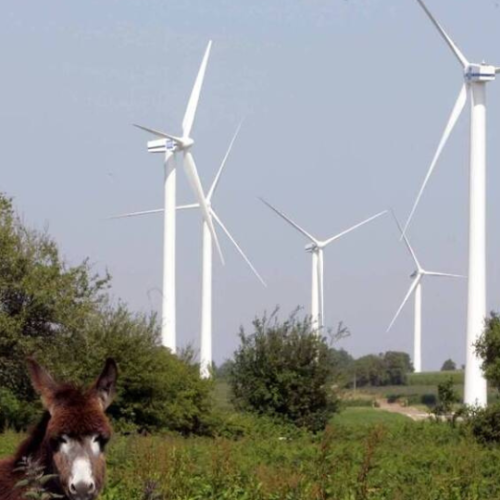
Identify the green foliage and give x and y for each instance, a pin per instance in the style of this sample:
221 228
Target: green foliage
43 302
34 482
284 370
343 367
362 454
447 397
435 378
63 315
390 368
448 366
488 348
14 413
484 423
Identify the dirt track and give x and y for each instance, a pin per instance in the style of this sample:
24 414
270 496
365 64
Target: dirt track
408 411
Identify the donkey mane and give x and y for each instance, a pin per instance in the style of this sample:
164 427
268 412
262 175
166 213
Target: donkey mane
32 445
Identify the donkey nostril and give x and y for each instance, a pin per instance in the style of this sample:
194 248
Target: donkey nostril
91 488
72 488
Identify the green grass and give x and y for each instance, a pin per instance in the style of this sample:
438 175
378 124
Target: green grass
366 417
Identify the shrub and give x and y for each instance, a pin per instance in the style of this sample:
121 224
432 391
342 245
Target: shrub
283 370
485 423
447 397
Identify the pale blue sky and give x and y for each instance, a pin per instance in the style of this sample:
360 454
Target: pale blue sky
344 100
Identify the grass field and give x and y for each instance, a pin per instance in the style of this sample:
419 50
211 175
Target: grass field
364 454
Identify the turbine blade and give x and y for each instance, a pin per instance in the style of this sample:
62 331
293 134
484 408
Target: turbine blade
221 168
290 221
158 133
407 243
238 248
135 214
343 233
456 51
187 207
455 114
187 123
194 181
444 275
416 281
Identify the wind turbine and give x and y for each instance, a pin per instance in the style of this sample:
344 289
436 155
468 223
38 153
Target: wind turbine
416 287
316 248
172 146
475 78
206 307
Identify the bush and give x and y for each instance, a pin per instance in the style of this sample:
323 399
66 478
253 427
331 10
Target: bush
484 423
15 414
447 397
283 370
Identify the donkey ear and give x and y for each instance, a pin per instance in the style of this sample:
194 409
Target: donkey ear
42 382
105 385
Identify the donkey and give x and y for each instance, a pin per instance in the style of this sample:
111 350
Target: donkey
70 439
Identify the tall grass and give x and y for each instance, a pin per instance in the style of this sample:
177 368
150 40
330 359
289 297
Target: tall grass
364 454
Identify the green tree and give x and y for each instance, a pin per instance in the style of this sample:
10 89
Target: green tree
43 301
370 370
397 365
488 348
448 366
447 397
390 368
62 314
284 370
342 367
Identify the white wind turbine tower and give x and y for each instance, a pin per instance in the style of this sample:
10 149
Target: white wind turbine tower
475 78
171 146
416 287
206 307
316 248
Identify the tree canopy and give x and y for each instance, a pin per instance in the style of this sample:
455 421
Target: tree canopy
63 316
284 370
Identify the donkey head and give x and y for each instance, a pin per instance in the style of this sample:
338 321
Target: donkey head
78 429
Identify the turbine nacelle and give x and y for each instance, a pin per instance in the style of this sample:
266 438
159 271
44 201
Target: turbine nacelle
311 247
164 145
414 274
161 146
480 73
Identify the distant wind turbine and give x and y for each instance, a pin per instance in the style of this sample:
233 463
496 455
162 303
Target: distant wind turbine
475 78
316 248
416 287
206 307
172 146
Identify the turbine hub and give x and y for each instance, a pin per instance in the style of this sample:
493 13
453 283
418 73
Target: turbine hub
187 142
479 73
311 247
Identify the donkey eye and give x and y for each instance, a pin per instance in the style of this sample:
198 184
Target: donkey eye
101 441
